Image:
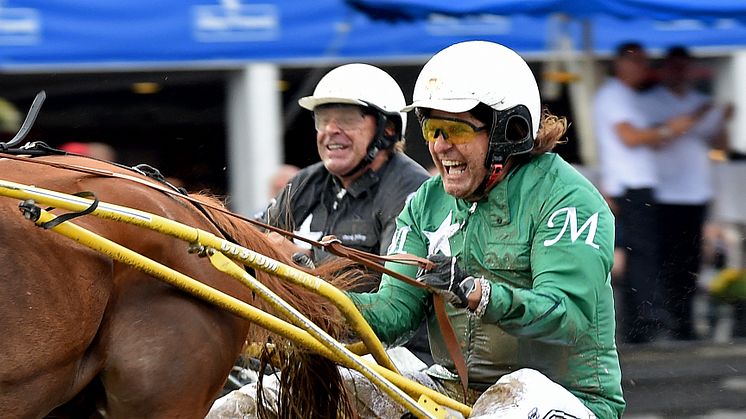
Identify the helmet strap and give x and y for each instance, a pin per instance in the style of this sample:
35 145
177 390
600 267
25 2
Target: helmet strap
380 142
489 181
496 174
493 177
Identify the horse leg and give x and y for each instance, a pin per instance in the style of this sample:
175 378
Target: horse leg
169 354
85 405
47 390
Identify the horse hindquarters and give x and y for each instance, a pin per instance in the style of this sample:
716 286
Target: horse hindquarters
53 294
169 353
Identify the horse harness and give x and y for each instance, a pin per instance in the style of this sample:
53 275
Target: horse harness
376 262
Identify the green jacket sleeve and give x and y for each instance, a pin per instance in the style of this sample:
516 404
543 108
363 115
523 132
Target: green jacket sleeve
397 309
571 256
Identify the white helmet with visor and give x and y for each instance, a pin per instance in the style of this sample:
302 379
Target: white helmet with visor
360 84
461 76
371 88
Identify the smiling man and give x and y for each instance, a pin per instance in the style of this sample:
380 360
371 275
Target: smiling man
521 242
363 179
361 183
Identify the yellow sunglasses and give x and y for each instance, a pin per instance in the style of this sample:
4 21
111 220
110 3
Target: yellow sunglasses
455 131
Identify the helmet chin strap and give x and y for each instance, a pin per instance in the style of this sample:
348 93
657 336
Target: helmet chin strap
380 142
502 152
493 177
365 162
496 174
489 181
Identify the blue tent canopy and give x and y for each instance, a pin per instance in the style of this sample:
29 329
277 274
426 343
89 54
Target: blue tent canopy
91 34
709 11
715 24
629 9
718 35
96 34
106 33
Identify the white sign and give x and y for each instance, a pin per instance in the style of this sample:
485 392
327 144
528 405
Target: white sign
231 21
472 25
19 26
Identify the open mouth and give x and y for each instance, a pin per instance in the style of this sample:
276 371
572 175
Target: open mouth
332 147
453 167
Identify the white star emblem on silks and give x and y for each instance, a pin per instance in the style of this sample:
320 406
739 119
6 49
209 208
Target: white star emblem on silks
439 239
305 231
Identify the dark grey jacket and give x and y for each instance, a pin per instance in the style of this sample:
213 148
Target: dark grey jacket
314 204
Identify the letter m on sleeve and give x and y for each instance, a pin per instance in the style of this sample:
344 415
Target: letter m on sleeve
571 223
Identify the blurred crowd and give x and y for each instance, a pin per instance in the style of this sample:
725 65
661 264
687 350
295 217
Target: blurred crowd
655 132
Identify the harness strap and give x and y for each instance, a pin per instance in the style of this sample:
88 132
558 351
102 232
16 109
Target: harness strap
70 215
446 328
27 123
451 341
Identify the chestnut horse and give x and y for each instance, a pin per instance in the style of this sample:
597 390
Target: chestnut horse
84 336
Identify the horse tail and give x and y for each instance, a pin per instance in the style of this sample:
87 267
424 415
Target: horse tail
309 386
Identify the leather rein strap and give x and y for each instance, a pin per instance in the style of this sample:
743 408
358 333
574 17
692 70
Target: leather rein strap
333 246
439 305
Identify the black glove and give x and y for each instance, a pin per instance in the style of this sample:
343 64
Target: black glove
449 280
303 260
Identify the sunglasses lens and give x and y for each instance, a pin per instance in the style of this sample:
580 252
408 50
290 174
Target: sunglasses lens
347 118
455 132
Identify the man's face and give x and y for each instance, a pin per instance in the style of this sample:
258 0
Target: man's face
343 134
676 71
633 67
458 151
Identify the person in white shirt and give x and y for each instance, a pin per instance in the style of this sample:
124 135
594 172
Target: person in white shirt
628 178
684 187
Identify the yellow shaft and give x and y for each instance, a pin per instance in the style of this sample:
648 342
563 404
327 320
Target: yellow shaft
195 235
231 304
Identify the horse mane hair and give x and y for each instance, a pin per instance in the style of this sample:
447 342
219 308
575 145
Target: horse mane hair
315 307
303 374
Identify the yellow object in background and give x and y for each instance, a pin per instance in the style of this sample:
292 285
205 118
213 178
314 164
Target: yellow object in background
10 117
729 285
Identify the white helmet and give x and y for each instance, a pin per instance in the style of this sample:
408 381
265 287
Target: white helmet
461 76
359 84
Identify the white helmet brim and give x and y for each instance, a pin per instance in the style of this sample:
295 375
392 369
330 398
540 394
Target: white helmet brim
445 105
311 102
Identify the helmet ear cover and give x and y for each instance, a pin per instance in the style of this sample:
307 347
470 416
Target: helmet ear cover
511 134
385 142
380 141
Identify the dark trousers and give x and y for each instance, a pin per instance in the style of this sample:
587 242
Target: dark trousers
681 254
419 345
642 313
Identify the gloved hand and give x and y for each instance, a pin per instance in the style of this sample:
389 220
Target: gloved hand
302 259
447 279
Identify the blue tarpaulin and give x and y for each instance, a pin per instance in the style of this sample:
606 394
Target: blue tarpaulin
658 24
95 34
707 10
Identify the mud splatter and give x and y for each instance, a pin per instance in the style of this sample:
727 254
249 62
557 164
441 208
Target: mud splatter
499 397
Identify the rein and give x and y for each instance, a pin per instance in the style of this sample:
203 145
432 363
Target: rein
333 246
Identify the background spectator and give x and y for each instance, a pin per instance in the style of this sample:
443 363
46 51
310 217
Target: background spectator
91 149
628 177
684 188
